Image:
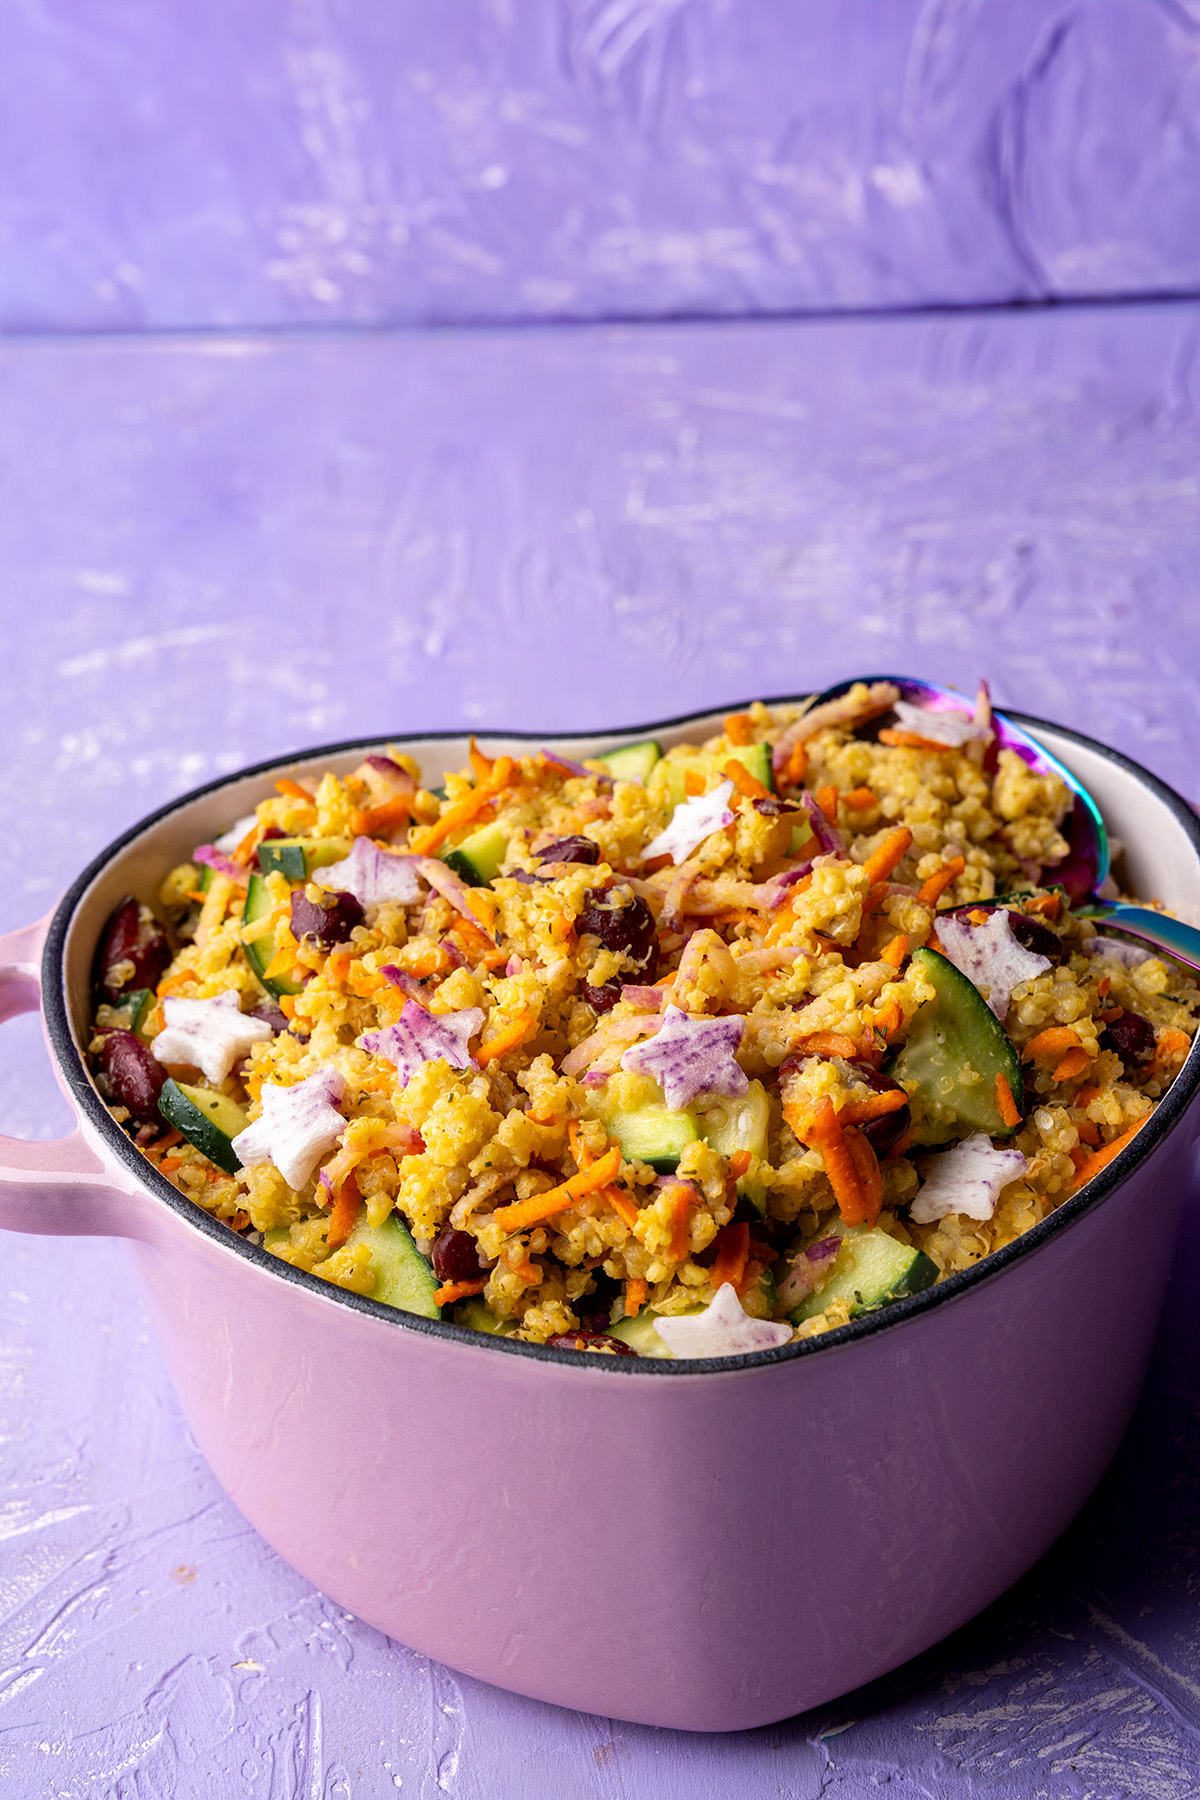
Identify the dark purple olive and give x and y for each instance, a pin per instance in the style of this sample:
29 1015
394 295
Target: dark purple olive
135 1079
602 999
268 1010
570 850
132 935
622 924
527 879
456 1257
595 1309
588 1340
1131 1036
330 923
888 1128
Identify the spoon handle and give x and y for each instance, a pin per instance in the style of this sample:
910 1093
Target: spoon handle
1172 935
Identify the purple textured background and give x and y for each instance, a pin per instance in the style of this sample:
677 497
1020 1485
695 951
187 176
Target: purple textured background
221 544
328 160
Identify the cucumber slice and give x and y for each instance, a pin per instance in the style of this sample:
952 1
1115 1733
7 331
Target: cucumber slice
298 857
475 1315
742 1123
134 1009
640 1335
871 1270
477 859
403 1278
207 1120
634 1112
261 952
754 757
631 763
950 1058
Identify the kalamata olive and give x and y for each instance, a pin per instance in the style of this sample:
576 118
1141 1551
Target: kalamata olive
622 924
268 1010
1131 1036
330 923
602 999
132 935
881 1133
455 1256
571 850
588 1340
595 1309
135 1079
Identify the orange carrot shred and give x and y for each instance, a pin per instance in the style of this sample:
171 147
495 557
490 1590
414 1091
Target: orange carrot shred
680 1199
859 799
1051 1042
458 1290
826 1043
343 1213
739 1163
482 765
1072 1064
910 740
169 1164
507 1038
822 1131
543 1206
693 784
1005 1104
733 1249
895 952
294 791
866 1167
933 889
464 810
1103 985
635 1296
875 1106
739 728
1100 1159
287 1005
881 862
746 784
827 800
370 821
622 1204
1086 1095
1088 1133
796 767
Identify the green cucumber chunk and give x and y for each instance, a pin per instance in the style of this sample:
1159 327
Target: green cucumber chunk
640 1335
742 1122
633 1111
260 954
298 857
477 859
633 762
403 1278
209 1121
476 1315
133 1011
950 1058
705 764
871 1270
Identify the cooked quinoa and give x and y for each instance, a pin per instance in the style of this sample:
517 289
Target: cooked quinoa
808 922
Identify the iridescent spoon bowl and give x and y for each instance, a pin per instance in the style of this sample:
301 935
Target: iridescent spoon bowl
1085 869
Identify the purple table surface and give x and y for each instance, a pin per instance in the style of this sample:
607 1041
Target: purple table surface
326 162
213 550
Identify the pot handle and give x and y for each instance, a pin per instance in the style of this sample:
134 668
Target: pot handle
62 1188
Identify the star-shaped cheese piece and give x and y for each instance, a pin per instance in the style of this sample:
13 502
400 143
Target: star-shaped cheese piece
689 1057
691 822
989 955
209 1034
966 1179
371 875
296 1127
722 1329
419 1037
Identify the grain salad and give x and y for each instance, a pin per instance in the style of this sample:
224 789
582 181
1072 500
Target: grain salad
667 1053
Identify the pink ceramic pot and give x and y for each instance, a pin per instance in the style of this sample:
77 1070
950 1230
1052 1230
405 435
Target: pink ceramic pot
704 1545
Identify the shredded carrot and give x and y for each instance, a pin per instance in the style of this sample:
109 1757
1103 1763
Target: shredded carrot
889 1018
827 800
433 961
745 783
739 1163
482 765
523 1213
680 1199
1100 1159
338 964
635 1296
1005 1104
282 963
172 983
169 1164
1072 1064
294 791
1050 904
479 947
1089 1133
933 889
1170 1045
458 1290
621 1203
484 905
370 821
287 1005
859 799
739 728
343 1213
866 1167
875 1106
248 845
1086 1095
464 810
1055 1040
1110 1013
168 1140
1103 985
738 915
826 1043
693 784
881 862
822 1131
507 1038
900 1146
733 1249
895 952
910 740
795 768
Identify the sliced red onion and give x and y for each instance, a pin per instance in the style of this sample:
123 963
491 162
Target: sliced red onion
774 892
808 1269
966 1179
297 1126
690 1057
399 780
373 875
722 1329
989 955
691 822
828 836
649 998
435 872
408 984
208 1034
880 697
577 768
942 727
612 1032
419 1037
1132 955
213 858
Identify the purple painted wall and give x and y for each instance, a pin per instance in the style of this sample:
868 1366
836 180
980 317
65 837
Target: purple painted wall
321 161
